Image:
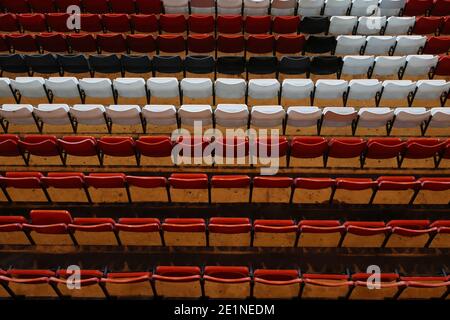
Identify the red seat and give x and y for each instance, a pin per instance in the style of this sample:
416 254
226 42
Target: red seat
191 150
281 284
32 22
184 232
272 189
57 22
66 187
30 283
442 236
268 149
16 6
231 151
82 42
88 283
149 6
230 189
423 148
9 146
128 284
42 6
229 24
91 23
441 8
172 23
116 22
107 187
22 42
389 286
62 5
50 227
230 44
433 191
260 44
427 25
41 146
178 282
383 149
79 148
409 233
198 23
227 282
122 6
117 147
274 233
313 190
147 189
24 187
371 234
396 190
96 6
145 23
9 23
141 43
437 45
139 231
345 148
354 190
425 287
320 233
226 232
257 24
155 150
285 24
307 148
290 44
111 42
445 29
201 44
417 7
94 231
171 43
53 42
189 187
325 286
12 232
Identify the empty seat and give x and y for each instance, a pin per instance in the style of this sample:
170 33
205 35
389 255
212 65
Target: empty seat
30 283
272 190
79 150
325 67
172 23
425 287
230 66
421 152
227 282
330 92
263 92
121 6
118 150
308 151
18 118
24 186
107 187
285 24
184 232
234 232
65 187
32 22
160 119
433 191
409 120
233 116
256 7
431 93
199 66
395 190
399 25
262 67
168 66
354 190
350 45
97 90
417 7
363 92
12 231
383 151
380 45
195 117
289 45
320 233
437 45
314 24
74 64
30 89
197 90
53 42
260 24
282 284
88 283
63 89
155 149
48 227
171 44
203 7
439 120
441 239
389 286
409 45
116 22
102 65
130 91
274 233
230 189
343 150
139 231
409 233
9 150
54 117
19 42
164 91
313 190
267 117
419 66
260 44
325 286
144 23
149 6
136 65
357 67
293 67
94 231
41 149
337 120
337 7
95 6
371 25
128 284
370 234
90 118
176 6
316 44
125 118
12 63
229 24
341 25
230 90
227 7
396 93
364 7
189 187
178 282
391 7
141 43
91 23
15 6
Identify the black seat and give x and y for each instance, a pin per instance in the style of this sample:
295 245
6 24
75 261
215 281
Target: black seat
323 65
76 63
231 65
262 65
316 44
199 64
168 64
314 25
43 63
136 64
294 65
105 63
14 63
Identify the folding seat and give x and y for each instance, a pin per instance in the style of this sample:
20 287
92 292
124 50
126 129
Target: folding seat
8 23
66 187
325 286
42 6
194 150
391 7
409 45
154 150
289 45
147 189
201 24
164 91
354 190
227 282
325 67
383 152
96 6
337 8
440 8
274 233
313 190
399 25
32 22
173 23
229 24
437 45
424 287
139 231
54 118
203 7
409 233
45 64
396 93
365 234
355 67
41 150
18 118
11 65
19 42
178 282
116 22
82 42
122 6
330 92
111 42
232 151
230 45
260 45
285 24
430 93
272 189
364 7
128 284
230 189
230 232
90 118
24 186
439 122
74 65
94 231
52 42
281 284
227 7
131 91
176 6
160 119
344 152
371 25
201 44
105 65
363 93
342 25
144 23
96 90
257 24
149 6
314 25
197 91
189 187
195 117
320 233
118 150
263 92
125 119
62 5
186 232
256 7
422 152
30 283
373 121
396 190
445 29
417 7
262 67
88 282
79 150
442 70
441 238
419 66
433 191
271 151
107 187
231 116
308 151
293 67
139 65
283 7
11 231
91 23
271 117
168 66
171 44
200 66
350 45
50 227
389 286
310 7
16 6
408 121
427 25
230 67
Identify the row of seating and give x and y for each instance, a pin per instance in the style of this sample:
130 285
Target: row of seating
218 282
225 24
59 228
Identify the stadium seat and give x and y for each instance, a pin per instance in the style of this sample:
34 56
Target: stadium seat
437 45
364 7
320 45
230 189
409 233
409 45
130 91
399 25
325 286
139 231
262 67
289 45
337 120
89 284
293 67
122 6
201 24
229 24
48 227
228 7
380 45
260 45
313 190
159 119
396 93
91 23
371 25
13 64
107 187
419 66
177 282
136 65
438 121
19 42
427 25
41 149
408 120
337 7
30 283
350 45
234 232
283 7
263 92
128 284
54 118
425 287
203 7
18 118
149 6
195 117
66 187
140 188
255 7
94 231
32 22
320 233
173 23
184 232
342 151
433 191
16 6
74 65
168 66
116 22
330 92
117 150
82 42
365 234
231 116
171 44
383 152
417 7
164 91
314 25
395 190
354 190
391 7
227 282
441 238
285 24
197 91
189 188
12 232
52 42
325 67
308 151
389 286
176 6
9 23
79 150
274 233
90 118
96 6
230 67
356 67
431 93
144 23
342 25
96 91
421 152
257 24
263 117
111 43
281 284
363 93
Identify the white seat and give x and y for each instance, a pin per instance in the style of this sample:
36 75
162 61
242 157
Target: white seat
388 66
341 25
310 7
330 90
267 116
429 91
124 114
203 6
440 118
357 65
229 7
163 87
53 114
17 113
336 7
231 115
189 114
160 115
131 88
363 89
97 88
370 25
30 87
63 87
89 114
176 6
297 89
374 117
5 89
230 88
197 88
397 90
350 45
256 7
420 65
379 45
263 89
283 7
399 25
303 116
364 7
410 117
391 7
409 45
338 117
